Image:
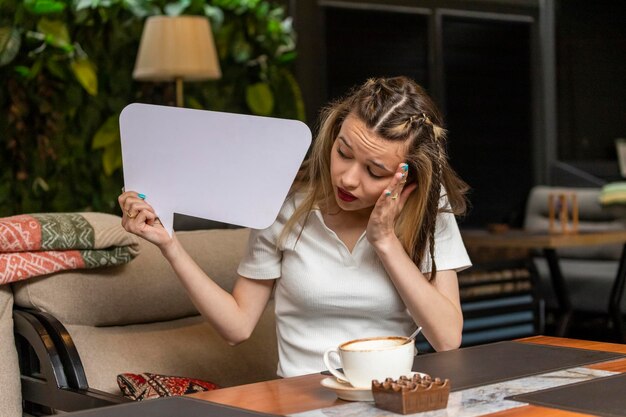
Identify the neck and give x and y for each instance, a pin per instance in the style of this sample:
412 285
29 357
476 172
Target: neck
348 218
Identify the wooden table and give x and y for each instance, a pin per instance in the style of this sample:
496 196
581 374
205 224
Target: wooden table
299 394
549 243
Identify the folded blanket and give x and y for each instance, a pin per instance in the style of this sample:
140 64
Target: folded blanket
613 193
39 244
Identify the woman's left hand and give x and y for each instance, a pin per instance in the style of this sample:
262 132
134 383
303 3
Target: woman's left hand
381 225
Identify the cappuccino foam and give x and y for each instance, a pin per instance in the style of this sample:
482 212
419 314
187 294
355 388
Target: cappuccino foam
374 344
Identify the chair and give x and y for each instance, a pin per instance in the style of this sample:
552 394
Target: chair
499 301
589 272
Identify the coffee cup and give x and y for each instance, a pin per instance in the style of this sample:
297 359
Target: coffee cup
363 360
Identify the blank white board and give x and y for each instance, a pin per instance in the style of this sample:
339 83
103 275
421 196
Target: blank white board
225 167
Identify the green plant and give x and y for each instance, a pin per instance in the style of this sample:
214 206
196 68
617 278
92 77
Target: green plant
66 70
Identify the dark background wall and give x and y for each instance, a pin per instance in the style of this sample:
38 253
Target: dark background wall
488 65
591 78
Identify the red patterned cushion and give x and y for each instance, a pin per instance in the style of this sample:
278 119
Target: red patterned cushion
145 386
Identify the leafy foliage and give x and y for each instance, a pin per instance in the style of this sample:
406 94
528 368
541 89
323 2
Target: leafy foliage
66 69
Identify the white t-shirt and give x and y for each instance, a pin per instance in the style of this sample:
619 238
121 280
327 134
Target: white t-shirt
326 295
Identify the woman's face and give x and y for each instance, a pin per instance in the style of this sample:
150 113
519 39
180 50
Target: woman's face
362 164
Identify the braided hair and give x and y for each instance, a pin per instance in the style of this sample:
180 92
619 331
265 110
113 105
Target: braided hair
396 109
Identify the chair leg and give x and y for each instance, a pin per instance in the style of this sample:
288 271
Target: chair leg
615 302
558 282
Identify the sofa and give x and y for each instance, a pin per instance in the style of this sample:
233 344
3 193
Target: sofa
11 398
131 318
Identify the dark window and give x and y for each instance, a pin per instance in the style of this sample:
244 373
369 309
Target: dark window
488 95
362 44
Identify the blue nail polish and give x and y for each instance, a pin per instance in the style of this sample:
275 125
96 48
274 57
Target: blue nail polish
388 193
405 167
142 196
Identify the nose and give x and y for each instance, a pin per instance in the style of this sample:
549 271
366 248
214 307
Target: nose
350 178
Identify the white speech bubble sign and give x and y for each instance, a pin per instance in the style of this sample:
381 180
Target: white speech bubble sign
226 167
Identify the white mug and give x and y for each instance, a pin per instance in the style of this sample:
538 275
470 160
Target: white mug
363 360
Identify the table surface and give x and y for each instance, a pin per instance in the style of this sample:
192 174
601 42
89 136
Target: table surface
304 393
540 240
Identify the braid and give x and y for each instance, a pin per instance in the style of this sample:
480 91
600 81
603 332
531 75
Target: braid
436 134
399 119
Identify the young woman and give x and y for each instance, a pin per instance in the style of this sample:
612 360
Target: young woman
366 244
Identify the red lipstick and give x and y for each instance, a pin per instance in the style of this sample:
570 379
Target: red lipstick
345 196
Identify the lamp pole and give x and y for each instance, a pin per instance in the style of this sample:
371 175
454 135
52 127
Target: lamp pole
179 92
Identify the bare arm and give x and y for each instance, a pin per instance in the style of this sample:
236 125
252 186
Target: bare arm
234 316
433 305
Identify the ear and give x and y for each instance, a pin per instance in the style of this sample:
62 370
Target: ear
406 192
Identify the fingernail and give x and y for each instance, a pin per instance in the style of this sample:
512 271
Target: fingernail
405 167
142 196
403 175
387 193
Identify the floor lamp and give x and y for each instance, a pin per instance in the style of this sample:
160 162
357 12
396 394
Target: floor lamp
179 48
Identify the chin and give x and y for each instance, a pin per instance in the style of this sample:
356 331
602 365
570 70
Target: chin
354 206
345 206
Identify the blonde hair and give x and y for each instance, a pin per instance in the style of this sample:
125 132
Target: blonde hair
397 109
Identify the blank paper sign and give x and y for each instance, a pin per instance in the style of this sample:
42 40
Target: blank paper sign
225 167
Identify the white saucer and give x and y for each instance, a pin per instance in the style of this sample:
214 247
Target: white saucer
347 392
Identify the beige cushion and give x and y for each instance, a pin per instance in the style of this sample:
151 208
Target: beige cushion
184 347
11 396
145 290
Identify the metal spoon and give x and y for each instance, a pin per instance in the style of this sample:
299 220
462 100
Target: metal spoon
415 333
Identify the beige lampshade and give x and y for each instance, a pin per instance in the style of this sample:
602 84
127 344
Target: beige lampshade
178 47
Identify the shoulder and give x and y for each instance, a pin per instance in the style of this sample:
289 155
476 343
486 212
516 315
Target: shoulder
444 202
288 209
446 226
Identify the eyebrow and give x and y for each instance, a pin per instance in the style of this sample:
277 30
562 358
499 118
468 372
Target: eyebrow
378 164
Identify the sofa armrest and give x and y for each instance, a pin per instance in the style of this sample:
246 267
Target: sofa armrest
52 374
72 366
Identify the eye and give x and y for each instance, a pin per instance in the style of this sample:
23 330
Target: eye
341 154
371 174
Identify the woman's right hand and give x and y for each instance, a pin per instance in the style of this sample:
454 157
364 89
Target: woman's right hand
139 218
